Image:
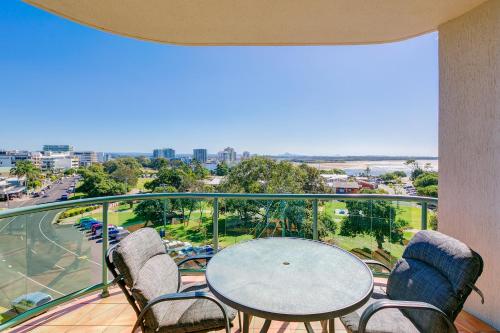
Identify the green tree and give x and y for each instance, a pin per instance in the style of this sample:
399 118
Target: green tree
199 170
144 161
96 182
30 171
427 184
312 182
327 222
374 218
263 175
416 170
69 172
124 170
426 179
181 178
158 163
222 169
154 210
392 176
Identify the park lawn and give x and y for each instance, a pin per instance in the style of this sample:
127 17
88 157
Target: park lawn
120 215
410 213
362 241
141 182
330 206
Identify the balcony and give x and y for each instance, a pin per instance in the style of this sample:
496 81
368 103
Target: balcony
44 251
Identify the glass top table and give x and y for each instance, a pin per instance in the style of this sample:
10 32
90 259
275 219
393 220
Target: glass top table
289 279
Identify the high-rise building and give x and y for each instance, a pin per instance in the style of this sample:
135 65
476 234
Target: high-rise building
167 153
200 155
58 148
86 158
228 155
245 156
157 153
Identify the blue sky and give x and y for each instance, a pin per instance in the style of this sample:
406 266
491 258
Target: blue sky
61 82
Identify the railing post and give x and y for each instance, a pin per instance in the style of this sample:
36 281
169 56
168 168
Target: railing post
315 219
423 222
215 231
105 239
164 215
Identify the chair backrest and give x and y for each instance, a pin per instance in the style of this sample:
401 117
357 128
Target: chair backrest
437 269
145 269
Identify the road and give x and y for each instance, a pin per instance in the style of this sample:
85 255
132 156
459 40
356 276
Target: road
37 255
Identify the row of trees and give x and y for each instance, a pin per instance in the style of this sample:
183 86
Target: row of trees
174 176
264 175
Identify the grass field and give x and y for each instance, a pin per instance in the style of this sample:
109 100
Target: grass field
141 182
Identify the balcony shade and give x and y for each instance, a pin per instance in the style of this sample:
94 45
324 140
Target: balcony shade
261 22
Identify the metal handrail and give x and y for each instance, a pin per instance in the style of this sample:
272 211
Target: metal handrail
190 195
104 202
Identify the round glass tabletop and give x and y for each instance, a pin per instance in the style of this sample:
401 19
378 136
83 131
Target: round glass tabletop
289 279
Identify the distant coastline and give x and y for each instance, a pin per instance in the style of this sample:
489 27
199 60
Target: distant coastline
306 158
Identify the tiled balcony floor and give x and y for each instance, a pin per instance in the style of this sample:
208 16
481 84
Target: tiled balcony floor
114 314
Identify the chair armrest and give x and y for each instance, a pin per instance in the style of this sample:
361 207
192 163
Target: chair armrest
207 257
183 296
376 263
478 291
388 304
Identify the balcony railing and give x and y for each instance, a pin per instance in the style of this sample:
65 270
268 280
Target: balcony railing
41 250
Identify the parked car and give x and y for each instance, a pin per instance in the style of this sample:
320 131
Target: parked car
28 301
87 225
112 230
64 197
83 219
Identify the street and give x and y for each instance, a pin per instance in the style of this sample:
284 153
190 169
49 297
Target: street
37 255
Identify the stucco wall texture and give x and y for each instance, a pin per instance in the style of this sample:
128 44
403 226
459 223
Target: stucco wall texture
469 144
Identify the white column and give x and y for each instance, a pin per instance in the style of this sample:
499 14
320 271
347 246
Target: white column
469 144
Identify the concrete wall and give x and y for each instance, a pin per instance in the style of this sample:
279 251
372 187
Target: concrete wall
469 143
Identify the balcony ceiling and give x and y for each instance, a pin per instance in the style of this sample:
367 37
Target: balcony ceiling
261 22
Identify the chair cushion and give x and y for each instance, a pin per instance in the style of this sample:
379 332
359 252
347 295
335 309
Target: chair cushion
147 269
414 280
195 315
452 258
435 269
384 321
135 250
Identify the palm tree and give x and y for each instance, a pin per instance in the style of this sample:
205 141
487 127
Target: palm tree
26 169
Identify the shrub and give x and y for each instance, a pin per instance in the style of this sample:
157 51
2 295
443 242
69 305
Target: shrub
75 211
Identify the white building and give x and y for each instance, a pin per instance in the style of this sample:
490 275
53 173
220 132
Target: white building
9 158
228 155
59 162
12 187
86 158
